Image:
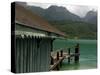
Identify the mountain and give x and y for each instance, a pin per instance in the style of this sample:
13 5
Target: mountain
91 17
58 13
38 10
55 13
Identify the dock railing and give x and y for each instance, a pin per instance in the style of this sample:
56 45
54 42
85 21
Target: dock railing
59 55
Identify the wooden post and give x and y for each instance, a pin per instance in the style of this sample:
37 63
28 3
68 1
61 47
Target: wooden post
61 53
57 67
69 55
52 44
61 63
52 61
57 55
77 53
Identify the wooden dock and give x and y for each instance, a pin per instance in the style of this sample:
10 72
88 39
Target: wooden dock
59 56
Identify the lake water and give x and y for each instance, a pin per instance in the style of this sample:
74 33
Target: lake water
88 53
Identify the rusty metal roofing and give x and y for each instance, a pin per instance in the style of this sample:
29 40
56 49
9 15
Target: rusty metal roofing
30 19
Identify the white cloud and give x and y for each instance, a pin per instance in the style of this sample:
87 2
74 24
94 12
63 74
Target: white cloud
80 10
42 5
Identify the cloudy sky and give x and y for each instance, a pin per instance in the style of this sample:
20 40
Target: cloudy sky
76 9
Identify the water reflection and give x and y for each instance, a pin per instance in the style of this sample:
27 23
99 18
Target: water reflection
69 66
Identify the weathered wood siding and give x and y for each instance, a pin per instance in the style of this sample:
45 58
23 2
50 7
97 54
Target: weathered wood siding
32 54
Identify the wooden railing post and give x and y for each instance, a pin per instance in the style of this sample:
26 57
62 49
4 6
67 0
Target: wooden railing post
76 53
57 67
52 61
61 53
69 55
57 55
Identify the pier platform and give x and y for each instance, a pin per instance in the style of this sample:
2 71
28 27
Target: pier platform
59 56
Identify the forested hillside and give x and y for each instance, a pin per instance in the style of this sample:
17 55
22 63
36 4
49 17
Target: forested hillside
76 29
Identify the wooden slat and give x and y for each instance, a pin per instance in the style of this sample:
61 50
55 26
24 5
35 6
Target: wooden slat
57 63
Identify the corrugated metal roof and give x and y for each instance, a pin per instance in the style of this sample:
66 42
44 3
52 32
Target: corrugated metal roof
23 34
30 19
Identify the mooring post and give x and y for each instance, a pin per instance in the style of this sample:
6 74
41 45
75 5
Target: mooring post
77 53
57 56
61 53
52 61
57 67
61 64
69 55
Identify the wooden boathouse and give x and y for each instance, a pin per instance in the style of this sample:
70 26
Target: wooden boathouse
31 41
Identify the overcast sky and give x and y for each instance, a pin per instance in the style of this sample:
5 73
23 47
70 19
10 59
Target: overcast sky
76 9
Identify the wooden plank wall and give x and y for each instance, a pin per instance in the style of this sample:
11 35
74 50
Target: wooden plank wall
32 54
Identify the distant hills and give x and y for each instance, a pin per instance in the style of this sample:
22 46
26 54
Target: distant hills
79 29
56 13
91 17
71 24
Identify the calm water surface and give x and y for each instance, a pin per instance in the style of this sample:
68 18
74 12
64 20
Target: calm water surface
88 53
